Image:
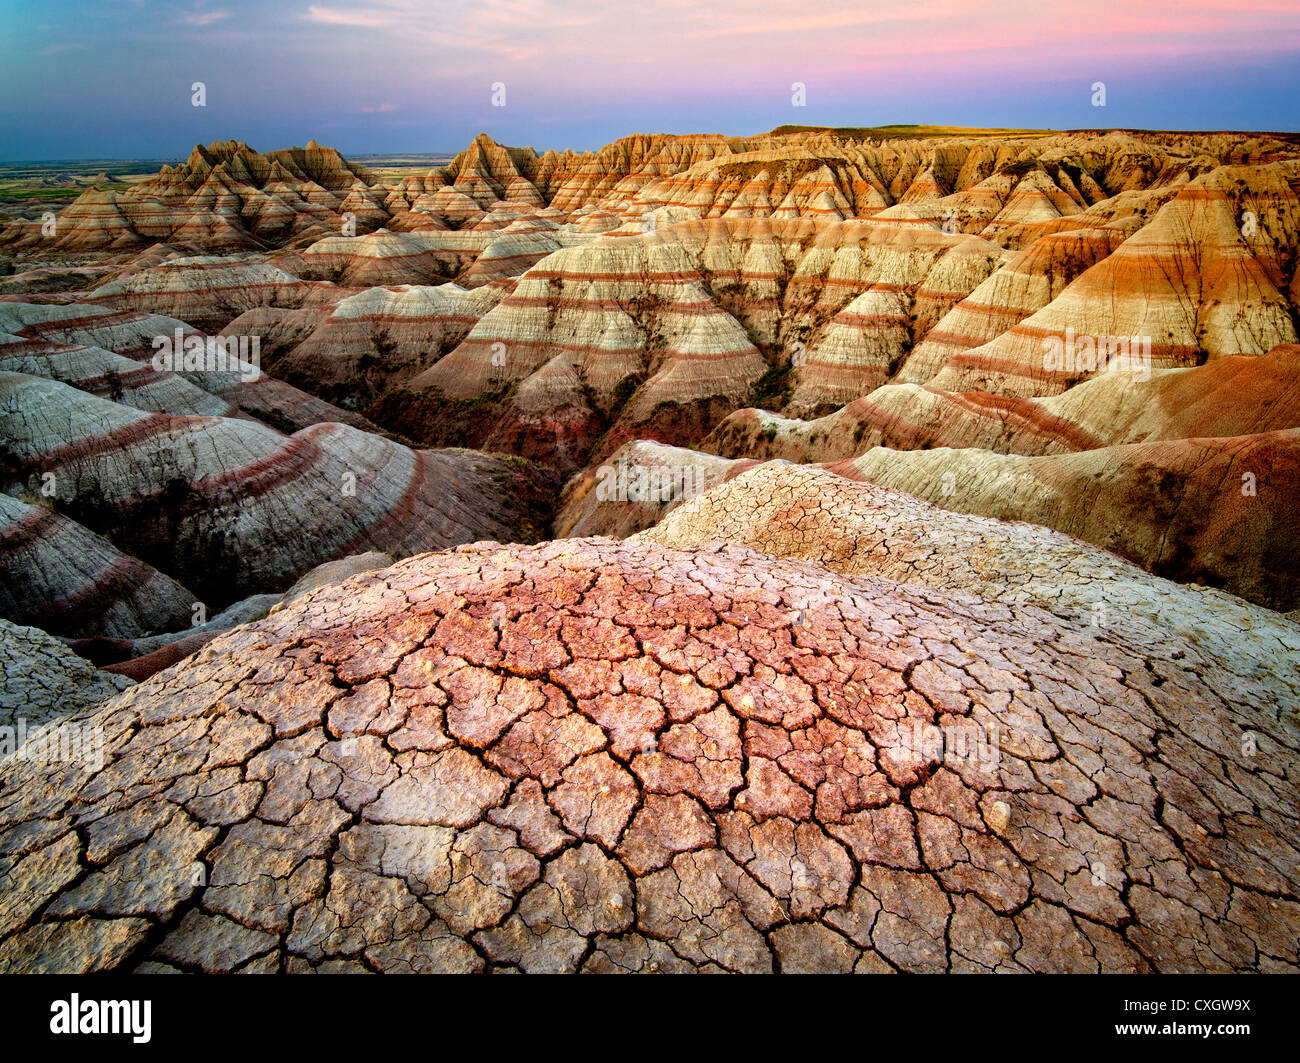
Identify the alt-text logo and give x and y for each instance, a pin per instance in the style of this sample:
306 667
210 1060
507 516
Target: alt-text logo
77 1016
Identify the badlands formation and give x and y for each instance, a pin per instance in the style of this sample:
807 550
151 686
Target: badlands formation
818 551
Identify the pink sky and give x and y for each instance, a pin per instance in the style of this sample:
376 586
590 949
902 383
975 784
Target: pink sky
416 74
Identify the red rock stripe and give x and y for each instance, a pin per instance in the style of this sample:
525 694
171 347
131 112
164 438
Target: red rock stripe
1025 412
701 307
294 458
121 580
135 434
38 523
400 514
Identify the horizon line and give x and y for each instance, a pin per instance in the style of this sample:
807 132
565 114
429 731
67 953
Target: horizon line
788 129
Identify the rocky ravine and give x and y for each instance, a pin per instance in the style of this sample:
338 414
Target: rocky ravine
604 756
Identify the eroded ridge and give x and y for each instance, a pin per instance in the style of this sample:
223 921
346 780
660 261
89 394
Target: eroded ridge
1248 654
594 755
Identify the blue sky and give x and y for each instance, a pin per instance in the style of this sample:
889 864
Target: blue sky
113 80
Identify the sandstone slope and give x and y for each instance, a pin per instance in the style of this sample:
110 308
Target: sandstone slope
1232 396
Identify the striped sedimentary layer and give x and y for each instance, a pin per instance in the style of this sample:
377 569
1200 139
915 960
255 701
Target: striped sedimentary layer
379 338
862 295
522 243
1232 396
987 185
130 333
1222 511
774 227
1195 282
225 197
628 325
631 319
907 297
207 291
109 375
389 257
657 333
653 288
110 353
634 487
63 578
1023 286
231 507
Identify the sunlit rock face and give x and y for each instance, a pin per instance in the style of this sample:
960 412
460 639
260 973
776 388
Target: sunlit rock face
656 286
225 197
1231 396
1202 510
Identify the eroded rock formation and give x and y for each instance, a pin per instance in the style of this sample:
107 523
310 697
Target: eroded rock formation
828 716
232 507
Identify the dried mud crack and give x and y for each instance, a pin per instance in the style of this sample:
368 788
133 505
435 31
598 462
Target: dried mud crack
627 756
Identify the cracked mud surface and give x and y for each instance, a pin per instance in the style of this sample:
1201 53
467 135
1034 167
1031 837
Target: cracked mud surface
41 679
1249 654
604 756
